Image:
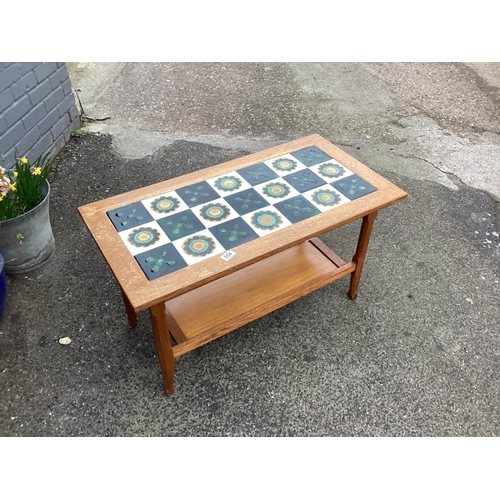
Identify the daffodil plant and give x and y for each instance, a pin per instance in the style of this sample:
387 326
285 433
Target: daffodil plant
22 187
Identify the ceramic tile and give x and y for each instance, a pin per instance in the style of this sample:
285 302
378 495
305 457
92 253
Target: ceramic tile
257 174
266 221
304 180
210 217
164 204
129 216
199 246
142 238
181 224
198 193
310 156
353 187
285 164
331 171
276 190
229 183
160 261
325 198
297 208
215 212
246 201
233 233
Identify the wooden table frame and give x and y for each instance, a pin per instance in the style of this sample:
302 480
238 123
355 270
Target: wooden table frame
230 294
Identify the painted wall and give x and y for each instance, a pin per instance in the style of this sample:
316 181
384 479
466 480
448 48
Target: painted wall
37 110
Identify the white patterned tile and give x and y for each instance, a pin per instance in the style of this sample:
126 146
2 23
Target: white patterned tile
268 216
331 171
325 198
276 190
216 211
165 204
203 242
229 183
143 238
284 164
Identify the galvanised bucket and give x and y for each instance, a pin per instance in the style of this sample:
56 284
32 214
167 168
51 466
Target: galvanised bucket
37 244
3 287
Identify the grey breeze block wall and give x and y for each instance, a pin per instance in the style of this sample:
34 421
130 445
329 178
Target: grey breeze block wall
37 110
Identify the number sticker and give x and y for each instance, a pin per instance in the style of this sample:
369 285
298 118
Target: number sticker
228 255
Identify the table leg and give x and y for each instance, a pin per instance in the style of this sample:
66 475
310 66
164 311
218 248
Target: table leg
163 345
132 316
359 256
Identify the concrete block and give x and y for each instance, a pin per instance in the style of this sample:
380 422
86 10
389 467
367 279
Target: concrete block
69 101
40 92
27 142
73 113
3 125
59 77
12 136
59 127
15 112
6 99
67 87
44 71
75 125
41 147
23 85
54 99
26 67
35 116
48 122
8 158
8 76
57 145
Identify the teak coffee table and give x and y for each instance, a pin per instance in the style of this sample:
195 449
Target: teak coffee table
212 250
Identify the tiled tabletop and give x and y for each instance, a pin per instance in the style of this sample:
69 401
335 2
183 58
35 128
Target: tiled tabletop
178 228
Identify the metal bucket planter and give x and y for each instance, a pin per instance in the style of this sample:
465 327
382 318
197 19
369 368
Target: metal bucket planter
3 287
37 244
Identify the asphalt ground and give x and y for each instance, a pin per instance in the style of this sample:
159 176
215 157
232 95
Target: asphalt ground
416 354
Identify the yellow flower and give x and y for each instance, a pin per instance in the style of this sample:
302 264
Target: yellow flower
37 171
16 174
1 198
24 159
13 187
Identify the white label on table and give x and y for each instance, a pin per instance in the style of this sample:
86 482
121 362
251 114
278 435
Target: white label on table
228 255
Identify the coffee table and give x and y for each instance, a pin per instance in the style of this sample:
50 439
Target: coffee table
215 249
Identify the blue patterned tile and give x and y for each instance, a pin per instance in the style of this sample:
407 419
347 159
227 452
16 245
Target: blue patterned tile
160 261
181 224
129 216
311 156
246 201
233 233
198 193
353 187
257 174
304 180
296 209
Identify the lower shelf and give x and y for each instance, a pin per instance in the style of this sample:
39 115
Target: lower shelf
221 306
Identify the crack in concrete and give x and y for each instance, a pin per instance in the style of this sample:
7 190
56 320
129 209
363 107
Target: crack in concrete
453 178
456 180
